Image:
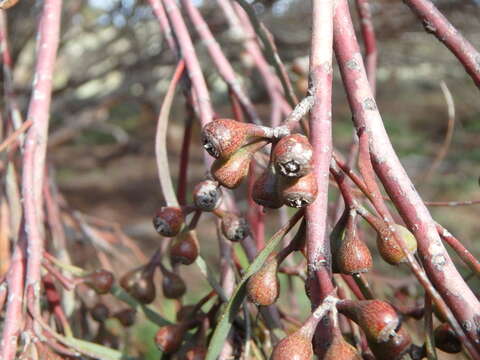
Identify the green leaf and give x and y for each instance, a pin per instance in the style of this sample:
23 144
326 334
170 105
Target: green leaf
208 274
149 313
223 328
95 350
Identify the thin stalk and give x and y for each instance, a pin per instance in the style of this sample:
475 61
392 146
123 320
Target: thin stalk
364 286
161 140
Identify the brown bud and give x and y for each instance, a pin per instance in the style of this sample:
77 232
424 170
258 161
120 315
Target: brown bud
222 138
339 349
299 192
378 319
446 339
139 284
185 248
100 280
126 317
173 285
199 352
100 312
232 171
388 247
263 286
168 221
234 227
393 349
350 255
265 189
295 346
207 195
293 156
169 338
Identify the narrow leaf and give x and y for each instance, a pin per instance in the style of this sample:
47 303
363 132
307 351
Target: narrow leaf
221 331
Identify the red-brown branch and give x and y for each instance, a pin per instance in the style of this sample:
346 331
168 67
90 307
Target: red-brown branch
466 256
36 140
437 24
368 35
318 246
438 265
221 62
191 61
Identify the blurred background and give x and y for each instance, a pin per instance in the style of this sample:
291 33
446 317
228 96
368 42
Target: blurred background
114 66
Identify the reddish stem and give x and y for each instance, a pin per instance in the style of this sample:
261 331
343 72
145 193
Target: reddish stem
36 141
438 25
221 62
461 250
318 247
319 272
14 315
191 61
438 264
368 35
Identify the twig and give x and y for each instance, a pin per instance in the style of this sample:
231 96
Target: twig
36 142
318 249
466 256
14 315
437 24
191 61
271 51
14 136
369 39
271 82
319 272
437 263
224 67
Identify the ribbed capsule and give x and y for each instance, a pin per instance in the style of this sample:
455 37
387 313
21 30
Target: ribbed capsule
388 248
139 284
299 192
100 312
378 319
222 138
99 280
185 248
394 348
173 285
265 189
232 171
126 317
350 255
169 338
293 156
340 349
234 227
168 221
263 287
207 195
298 345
